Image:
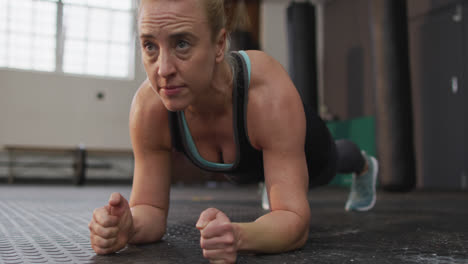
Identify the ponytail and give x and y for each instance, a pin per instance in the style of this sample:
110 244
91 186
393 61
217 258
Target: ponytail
236 15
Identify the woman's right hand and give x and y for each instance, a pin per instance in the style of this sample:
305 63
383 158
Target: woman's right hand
112 226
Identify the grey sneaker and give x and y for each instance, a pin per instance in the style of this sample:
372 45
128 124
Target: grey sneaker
265 200
363 194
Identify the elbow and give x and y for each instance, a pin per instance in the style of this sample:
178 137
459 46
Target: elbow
298 242
149 224
157 236
297 230
147 237
303 239
303 232
296 233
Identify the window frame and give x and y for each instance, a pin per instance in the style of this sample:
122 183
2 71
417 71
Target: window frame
60 45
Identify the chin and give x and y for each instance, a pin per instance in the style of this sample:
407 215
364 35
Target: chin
174 106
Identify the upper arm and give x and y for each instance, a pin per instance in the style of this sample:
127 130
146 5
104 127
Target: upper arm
277 125
151 145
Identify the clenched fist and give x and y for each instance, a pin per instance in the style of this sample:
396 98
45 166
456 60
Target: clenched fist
112 225
218 237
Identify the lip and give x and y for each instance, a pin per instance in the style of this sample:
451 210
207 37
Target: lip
172 89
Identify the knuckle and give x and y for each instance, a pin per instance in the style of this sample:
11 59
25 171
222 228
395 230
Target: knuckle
105 243
96 240
105 232
202 242
108 221
230 239
230 250
203 232
102 251
108 243
101 242
104 219
94 228
206 253
96 249
227 227
98 211
211 210
97 229
99 218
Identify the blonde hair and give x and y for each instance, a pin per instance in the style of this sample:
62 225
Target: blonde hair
216 16
227 14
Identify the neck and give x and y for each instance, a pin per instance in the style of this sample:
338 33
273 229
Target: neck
217 100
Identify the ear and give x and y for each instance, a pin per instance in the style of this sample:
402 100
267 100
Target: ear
221 40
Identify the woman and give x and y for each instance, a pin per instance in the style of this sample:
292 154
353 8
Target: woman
240 115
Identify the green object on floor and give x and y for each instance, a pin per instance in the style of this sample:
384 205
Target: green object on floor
359 130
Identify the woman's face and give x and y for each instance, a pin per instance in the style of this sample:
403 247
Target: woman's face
178 51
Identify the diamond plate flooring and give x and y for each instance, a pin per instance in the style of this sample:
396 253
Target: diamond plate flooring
48 224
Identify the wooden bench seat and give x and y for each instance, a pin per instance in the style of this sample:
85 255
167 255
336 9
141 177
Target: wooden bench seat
79 156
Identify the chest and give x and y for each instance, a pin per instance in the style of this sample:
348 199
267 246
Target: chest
214 139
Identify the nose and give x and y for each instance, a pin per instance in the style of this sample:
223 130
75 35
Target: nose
166 66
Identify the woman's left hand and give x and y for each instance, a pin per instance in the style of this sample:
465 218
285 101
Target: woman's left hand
218 237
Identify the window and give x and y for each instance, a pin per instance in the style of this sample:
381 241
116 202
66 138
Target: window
90 37
27 34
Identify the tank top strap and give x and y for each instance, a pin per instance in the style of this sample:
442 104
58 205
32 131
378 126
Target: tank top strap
247 62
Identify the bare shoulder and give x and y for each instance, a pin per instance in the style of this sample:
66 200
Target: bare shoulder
275 109
270 82
149 127
263 65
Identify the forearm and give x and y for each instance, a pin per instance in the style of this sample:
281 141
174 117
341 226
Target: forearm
149 224
275 232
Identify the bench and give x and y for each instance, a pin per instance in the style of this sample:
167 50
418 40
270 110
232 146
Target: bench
79 155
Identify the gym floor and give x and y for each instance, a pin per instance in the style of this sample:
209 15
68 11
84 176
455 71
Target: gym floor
48 224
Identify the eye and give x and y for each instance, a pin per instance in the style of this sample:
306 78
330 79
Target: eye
182 45
149 47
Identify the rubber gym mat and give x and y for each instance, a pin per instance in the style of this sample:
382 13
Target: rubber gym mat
44 224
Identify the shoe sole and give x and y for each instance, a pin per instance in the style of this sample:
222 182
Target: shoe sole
375 165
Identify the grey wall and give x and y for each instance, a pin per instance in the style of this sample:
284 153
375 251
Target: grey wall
273 35
50 109
343 53
347 77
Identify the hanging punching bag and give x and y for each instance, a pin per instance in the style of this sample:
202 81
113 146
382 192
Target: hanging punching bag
393 94
302 51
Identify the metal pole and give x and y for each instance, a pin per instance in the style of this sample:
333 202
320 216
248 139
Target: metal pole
301 19
10 166
80 165
394 122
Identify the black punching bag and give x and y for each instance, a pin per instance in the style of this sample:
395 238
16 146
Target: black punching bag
302 51
393 94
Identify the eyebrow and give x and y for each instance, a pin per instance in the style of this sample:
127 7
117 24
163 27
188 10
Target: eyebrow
148 36
175 35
